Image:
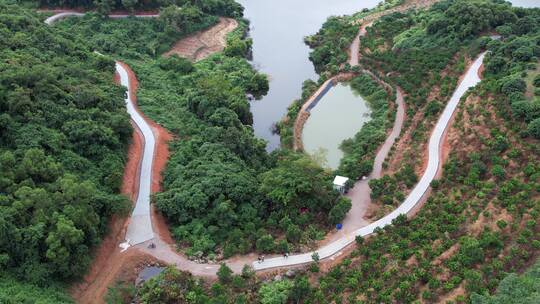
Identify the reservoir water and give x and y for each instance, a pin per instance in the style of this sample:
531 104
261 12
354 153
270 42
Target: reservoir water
339 115
526 3
278 28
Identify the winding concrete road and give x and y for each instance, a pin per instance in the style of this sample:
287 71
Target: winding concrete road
360 194
140 224
355 46
470 80
140 227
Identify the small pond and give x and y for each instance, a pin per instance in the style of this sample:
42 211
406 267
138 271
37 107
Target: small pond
339 115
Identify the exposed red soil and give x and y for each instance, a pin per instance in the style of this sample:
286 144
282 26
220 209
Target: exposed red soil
204 43
161 227
108 256
130 187
481 71
444 151
452 295
161 155
403 146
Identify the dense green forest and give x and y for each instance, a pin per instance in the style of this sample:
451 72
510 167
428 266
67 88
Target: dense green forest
63 137
13 291
330 44
137 38
223 194
517 289
64 133
213 7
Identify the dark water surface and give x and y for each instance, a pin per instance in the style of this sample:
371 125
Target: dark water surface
339 115
278 28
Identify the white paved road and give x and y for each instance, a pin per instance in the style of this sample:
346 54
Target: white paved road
140 225
61 16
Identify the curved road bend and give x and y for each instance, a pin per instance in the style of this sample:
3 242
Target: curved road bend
470 80
140 224
355 46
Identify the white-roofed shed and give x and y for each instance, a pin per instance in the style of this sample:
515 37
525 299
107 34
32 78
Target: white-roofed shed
340 182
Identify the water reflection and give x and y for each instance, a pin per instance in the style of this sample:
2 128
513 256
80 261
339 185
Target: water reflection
278 28
339 115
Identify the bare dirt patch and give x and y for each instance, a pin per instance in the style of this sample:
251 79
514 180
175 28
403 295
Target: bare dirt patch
490 221
452 295
204 43
446 255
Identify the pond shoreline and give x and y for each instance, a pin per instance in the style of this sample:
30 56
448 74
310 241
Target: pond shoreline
304 113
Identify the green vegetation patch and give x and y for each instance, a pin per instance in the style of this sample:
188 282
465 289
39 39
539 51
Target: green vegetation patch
13 291
223 193
360 150
515 289
174 286
512 69
63 138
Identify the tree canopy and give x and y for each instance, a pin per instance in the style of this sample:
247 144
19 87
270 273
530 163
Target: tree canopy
62 148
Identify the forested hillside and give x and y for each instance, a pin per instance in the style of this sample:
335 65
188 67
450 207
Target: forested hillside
64 133
518 289
63 137
480 220
223 194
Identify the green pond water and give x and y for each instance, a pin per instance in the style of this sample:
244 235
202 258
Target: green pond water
339 115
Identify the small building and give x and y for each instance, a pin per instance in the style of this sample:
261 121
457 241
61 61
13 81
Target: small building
340 183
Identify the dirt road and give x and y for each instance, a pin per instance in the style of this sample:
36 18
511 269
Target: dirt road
204 43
